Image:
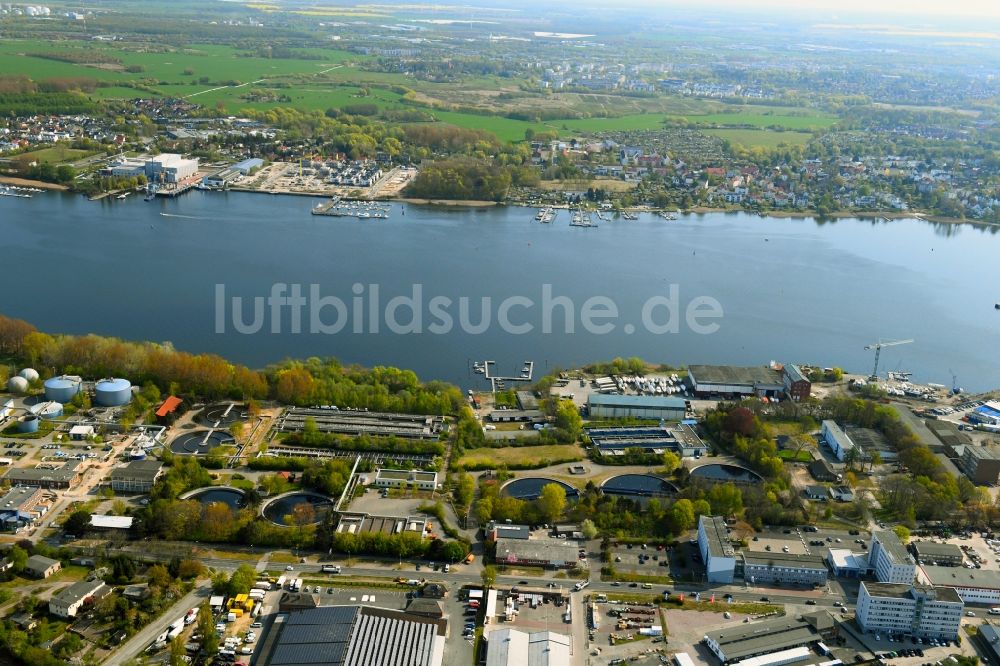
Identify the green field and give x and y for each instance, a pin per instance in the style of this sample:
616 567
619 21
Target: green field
761 137
521 455
791 122
55 155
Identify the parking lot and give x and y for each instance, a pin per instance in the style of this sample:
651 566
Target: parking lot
373 503
634 559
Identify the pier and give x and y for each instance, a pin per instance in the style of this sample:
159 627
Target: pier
362 210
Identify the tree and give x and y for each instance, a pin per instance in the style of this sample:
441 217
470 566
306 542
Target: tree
465 490
726 499
18 558
671 461
588 529
680 517
903 532
552 502
242 580
206 627
236 430
78 522
489 576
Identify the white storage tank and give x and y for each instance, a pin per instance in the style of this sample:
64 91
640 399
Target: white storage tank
17 384
30 374
62 389
113 392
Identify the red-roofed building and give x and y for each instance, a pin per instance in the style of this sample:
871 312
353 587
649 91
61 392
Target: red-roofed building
168 407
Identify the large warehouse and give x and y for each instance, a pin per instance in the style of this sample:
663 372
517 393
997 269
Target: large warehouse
513 647
734 381
354 636
742 641
681 439
653 407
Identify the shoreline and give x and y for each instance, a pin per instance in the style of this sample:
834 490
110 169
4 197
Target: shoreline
26 182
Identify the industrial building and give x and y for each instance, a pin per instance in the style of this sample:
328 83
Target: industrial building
981 464
910 610
547 553
356 523
653 407
988 414
762 568
41 477
137 476
248 166
890 560
941 554
717 551
974 586
22 507
734 382
354 636
221 180
743 641
170 168
514 647
797 385
401 478
836 439
516 416
680 439
69 601
356 423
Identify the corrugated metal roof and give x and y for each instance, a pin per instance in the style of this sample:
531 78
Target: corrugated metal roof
667 402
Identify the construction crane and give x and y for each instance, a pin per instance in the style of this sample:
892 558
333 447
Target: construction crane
878 350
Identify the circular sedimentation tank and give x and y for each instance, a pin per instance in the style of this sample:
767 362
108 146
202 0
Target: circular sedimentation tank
47 410
17 384
281 506
221 415
113 392
638 485
723 473
530 487
62 389
233 497
200 442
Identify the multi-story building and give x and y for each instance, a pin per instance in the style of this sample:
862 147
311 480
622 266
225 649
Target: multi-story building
400 478
981 464
974 586
889 559
797 385
717 551
941 554
783 568
910 610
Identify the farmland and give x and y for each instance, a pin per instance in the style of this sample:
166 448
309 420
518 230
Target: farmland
761 137
55 155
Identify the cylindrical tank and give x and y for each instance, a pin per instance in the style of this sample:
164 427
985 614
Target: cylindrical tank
62 389
30 374
47 410
113 392
28 423
17 384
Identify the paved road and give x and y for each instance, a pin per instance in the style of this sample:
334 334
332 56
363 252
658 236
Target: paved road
148 634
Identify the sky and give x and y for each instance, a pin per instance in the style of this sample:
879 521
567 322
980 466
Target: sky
906 8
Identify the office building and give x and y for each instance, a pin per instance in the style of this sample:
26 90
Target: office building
716 549
910 610
783 569
889 559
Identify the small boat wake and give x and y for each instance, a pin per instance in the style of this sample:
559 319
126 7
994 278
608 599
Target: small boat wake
186 217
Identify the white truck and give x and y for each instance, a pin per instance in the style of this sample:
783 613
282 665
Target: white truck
331 568
297 585
280 583
582 584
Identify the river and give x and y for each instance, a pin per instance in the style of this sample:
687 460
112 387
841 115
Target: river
792 290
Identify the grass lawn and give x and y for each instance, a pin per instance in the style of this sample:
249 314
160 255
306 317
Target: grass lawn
607 185
56 154
761 137
520 455
792 456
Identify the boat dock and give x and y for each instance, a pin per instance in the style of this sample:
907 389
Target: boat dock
363 210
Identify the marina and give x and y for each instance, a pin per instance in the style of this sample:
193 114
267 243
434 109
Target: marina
362 210
546 215
581 218
19 192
